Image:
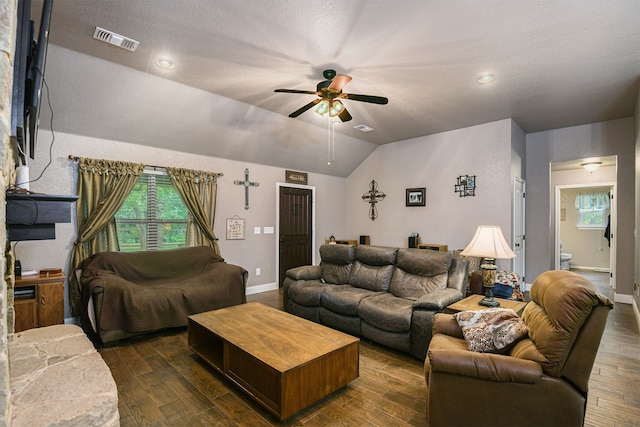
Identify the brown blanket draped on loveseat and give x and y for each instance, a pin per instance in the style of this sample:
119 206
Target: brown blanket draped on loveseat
129 293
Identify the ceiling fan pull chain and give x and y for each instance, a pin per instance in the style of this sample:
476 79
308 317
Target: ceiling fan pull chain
330 142
333 141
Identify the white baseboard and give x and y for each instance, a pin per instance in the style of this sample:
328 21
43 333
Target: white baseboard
623 298
589 268
262 288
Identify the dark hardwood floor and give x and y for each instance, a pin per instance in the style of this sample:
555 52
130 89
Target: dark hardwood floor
161 382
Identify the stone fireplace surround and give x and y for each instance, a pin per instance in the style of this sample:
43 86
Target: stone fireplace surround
50 375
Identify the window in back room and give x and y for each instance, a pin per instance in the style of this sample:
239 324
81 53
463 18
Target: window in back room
593 209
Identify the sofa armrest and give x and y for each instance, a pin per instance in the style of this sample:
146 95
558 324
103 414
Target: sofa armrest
438 300
484 366
305 272
446 324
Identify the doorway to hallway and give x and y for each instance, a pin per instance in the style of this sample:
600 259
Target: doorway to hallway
584 215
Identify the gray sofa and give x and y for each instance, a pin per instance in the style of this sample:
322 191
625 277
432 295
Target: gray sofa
387 295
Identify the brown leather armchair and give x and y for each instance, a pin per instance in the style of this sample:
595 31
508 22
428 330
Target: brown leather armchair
541 381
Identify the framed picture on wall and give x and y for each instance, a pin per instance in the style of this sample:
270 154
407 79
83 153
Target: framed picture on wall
236 228
416 196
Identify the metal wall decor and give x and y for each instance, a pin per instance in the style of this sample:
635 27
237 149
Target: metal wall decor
246 184
372 197
466 185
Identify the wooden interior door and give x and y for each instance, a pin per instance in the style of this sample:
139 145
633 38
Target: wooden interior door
295 228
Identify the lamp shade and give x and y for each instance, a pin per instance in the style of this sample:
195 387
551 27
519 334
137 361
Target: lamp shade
488 243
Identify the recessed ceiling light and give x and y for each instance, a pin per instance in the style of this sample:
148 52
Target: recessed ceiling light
486 78
364 128
164 63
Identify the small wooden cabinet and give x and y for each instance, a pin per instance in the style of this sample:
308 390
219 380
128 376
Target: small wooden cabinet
38 301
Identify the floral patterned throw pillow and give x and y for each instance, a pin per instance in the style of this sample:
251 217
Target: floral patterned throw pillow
492 330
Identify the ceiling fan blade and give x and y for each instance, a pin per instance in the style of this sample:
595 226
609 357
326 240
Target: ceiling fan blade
305 108
365 98
339 82
297 91
344 115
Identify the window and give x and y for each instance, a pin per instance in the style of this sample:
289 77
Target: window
593 209
153 217
593 218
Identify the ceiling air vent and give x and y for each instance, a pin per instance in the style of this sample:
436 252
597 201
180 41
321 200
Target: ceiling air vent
364 128
115 39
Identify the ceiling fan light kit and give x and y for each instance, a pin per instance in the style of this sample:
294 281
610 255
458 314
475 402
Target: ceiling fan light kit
330 92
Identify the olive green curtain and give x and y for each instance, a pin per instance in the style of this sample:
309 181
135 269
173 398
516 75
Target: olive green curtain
103 186
198 192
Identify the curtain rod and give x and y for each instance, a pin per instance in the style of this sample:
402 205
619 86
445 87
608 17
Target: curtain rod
76 158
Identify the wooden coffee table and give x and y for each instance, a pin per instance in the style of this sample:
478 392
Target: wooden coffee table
282 361
471 303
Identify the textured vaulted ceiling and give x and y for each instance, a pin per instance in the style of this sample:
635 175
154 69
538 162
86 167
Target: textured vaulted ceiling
557 63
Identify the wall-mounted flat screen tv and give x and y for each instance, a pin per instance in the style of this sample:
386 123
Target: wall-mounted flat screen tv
28 74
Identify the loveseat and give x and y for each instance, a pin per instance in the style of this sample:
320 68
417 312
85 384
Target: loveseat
386 295
132 293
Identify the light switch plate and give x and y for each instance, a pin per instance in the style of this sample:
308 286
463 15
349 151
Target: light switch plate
268 230
256 230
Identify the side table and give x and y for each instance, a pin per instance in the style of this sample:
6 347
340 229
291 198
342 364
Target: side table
39 301
471 303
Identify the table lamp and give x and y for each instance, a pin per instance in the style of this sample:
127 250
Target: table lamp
488 243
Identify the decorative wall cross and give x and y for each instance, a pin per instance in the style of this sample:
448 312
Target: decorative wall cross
372 197
246 183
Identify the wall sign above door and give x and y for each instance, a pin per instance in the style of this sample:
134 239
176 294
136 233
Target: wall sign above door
293 177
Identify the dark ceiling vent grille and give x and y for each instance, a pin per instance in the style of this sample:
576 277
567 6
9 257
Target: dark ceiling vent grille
115 39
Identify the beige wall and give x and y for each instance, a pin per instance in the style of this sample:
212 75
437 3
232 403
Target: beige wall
435 162
447 218
256 251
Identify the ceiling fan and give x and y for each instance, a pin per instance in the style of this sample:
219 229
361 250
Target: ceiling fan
330 93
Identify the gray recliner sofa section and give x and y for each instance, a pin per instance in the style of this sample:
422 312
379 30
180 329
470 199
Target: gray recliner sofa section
386 295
